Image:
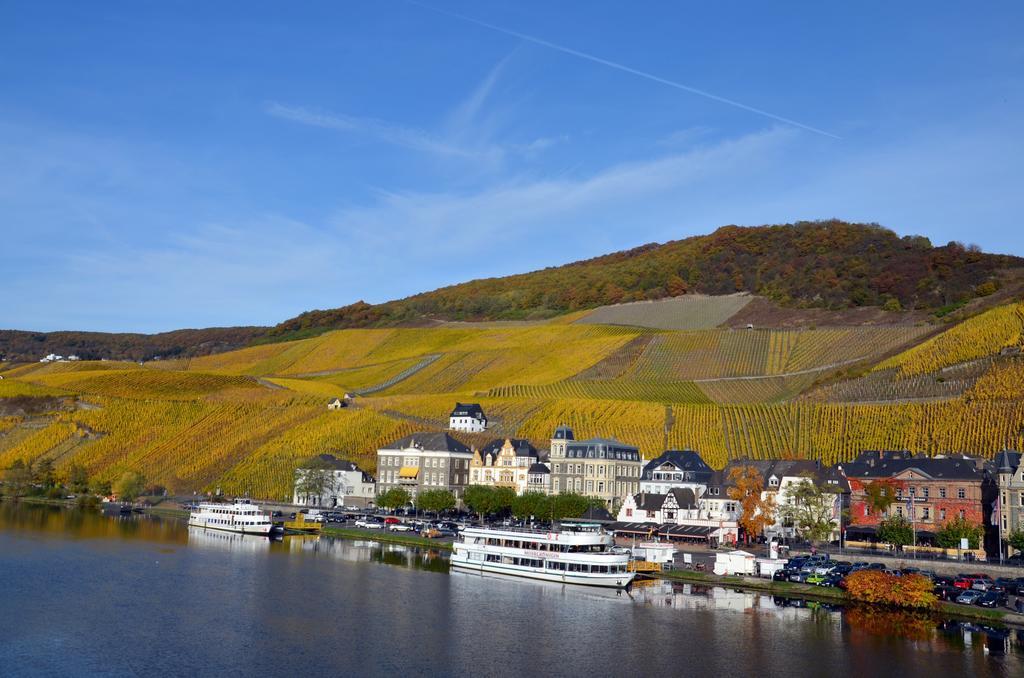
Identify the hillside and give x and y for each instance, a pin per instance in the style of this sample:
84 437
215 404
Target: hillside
243 420
17 345
805 274
828 265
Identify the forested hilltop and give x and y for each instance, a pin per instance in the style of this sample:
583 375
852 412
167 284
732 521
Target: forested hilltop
17 345
821 264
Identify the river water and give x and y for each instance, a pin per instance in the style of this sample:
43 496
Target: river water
83 594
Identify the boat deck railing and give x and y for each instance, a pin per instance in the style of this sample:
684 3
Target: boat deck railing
536 531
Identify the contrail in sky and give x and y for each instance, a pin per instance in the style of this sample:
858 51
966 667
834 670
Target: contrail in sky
623 68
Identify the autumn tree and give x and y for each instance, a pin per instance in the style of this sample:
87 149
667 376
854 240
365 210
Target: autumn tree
503 498
810 509
896 531
44 474
568 506
313 480
881 588
479 499
394 498
78 479
879 496
435 501
676 286
530 505
950 534
1016 539
757 510
17 479
129 486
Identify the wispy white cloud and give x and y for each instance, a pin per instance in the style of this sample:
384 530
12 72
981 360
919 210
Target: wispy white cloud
391 133
466 114
625 69
472 130
461 223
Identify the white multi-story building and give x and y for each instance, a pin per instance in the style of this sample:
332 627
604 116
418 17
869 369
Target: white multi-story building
468 417
344 484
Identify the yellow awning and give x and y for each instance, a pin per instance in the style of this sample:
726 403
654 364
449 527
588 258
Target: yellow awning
409 472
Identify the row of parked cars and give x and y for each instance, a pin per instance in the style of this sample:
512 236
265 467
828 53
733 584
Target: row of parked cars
820 570
978 589
433 529
967 589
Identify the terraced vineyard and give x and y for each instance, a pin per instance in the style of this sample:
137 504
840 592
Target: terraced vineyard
242 421
689 312
143 383
1000 329
889 385
661 392
711 355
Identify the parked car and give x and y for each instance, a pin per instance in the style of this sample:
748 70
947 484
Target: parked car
948 592
1004 585
781 575
391 520
993 599
834 579
799 576
370 523
969 597
400 527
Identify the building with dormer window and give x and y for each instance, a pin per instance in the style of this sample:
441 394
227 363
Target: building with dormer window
468 417
424 461
503 463
682 469
602 468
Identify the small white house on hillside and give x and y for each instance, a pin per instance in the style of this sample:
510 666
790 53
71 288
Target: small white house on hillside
468 417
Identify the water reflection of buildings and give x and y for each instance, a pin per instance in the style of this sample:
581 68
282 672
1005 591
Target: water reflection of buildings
228 541
717 598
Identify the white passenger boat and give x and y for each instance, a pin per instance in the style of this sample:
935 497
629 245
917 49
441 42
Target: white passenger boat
242 516
576 554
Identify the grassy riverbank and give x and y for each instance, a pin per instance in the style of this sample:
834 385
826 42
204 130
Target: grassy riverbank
832 595
387 537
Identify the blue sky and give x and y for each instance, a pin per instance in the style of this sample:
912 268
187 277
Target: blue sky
191 164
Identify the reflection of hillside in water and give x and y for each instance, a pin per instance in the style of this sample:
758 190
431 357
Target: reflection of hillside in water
80 524
227 541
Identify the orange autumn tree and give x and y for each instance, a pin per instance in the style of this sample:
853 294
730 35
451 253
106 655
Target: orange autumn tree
880 588
757 511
